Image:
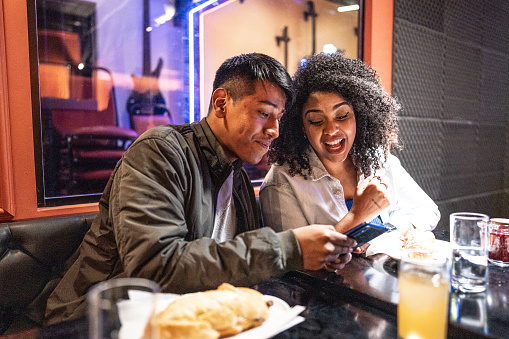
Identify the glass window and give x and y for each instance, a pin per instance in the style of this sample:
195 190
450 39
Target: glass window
110 69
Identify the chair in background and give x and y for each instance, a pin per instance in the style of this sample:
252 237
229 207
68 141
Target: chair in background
144 122
146 105
82 113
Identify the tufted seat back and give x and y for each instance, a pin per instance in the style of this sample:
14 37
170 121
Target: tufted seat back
34 255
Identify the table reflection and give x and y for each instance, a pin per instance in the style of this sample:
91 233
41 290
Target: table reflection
327 316
373 281
470 310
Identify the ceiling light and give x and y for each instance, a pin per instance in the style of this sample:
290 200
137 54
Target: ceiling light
348 8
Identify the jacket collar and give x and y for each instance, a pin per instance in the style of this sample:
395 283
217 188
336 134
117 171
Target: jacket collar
318 170
220 165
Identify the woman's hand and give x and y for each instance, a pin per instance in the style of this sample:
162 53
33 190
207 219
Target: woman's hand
370 199
361 249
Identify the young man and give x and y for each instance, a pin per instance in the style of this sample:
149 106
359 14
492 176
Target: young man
180 210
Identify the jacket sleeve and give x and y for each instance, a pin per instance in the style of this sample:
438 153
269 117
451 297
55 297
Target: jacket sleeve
410 202
280 206
150 213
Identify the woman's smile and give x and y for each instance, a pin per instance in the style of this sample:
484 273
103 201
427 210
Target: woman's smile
329 123
335 146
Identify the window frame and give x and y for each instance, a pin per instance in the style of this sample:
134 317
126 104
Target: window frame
18 186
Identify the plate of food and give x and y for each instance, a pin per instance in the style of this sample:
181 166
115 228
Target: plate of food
281 317
228 311
394 242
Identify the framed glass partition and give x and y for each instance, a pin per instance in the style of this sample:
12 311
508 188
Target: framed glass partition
104 71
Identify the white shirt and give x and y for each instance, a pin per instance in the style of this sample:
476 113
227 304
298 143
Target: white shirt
225 222
288 202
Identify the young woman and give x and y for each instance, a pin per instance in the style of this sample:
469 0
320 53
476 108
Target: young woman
332 164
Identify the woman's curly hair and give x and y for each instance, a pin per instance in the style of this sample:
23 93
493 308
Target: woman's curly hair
376 113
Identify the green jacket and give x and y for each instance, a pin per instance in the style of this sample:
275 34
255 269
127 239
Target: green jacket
156 218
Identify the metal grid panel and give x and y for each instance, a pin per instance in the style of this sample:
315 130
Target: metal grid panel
424 13
504 209
462 20
492 146
495 25
495 205
451 69
490 204
421 154
505 156
460 156
418 69
494 84
491 161
462 80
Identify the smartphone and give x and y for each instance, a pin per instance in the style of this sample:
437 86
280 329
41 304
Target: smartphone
366 232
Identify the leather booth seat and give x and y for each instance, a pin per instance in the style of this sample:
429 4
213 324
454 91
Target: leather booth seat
34 255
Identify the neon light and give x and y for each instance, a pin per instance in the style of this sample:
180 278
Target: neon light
191 52
202 62
191 56
203 104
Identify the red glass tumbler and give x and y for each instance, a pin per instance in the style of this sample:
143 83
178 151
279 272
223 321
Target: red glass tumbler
499 242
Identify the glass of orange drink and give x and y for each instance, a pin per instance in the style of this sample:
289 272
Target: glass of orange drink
424 286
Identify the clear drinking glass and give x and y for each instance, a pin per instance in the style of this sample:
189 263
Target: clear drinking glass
424 286
121 308
469 243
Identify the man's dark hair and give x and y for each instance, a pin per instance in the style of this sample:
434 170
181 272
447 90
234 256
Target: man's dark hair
376 113
239 75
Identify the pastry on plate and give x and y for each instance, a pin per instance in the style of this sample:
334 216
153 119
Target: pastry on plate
219 313
418 239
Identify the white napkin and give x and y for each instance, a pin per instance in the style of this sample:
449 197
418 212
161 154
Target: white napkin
134 314
388 243
391 243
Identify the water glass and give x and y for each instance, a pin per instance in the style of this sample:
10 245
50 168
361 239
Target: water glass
121 308
469 243
424 286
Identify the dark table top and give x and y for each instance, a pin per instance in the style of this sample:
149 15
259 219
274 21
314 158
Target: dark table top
371 285
360 302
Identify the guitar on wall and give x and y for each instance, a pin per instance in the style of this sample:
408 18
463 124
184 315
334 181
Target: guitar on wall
146 105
